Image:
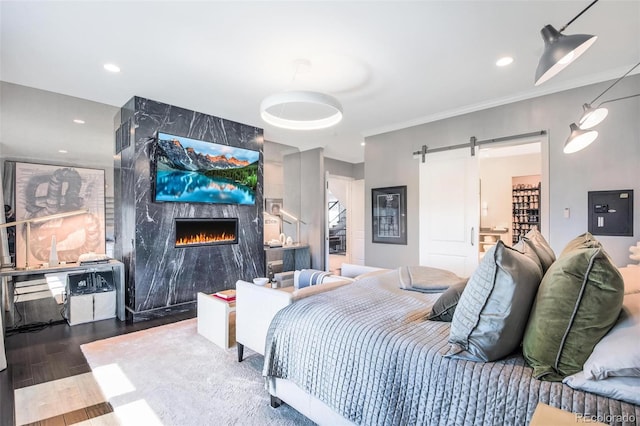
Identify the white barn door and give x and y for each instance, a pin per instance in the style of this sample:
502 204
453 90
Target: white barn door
450 211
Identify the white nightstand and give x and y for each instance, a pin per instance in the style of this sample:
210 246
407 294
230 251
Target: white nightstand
217 320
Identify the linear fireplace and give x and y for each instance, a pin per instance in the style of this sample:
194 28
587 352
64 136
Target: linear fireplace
203 232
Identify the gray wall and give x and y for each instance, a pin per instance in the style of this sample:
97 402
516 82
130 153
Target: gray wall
274 154
611 162
338 167
304 191
342 168
358 171
312 206
304 177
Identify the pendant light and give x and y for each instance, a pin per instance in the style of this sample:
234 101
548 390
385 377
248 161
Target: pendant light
561 50
301 109
578 139
592 116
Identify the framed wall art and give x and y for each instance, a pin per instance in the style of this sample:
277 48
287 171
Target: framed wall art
273 219
273 206
389 215
45 190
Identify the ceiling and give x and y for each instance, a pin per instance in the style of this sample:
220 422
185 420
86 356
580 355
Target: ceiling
391 64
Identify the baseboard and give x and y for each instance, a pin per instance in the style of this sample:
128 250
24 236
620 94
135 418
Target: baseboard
133 316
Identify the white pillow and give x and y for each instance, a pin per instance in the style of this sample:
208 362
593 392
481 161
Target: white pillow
622 388
618 353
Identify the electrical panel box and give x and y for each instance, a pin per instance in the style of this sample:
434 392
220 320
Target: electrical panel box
611 213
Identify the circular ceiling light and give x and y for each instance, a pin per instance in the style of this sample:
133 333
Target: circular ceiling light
301 110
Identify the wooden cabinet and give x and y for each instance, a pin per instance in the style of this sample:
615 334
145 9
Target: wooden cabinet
526 209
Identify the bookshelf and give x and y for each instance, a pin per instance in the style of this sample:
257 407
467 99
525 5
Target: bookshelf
526 206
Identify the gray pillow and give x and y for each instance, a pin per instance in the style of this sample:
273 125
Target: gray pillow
527 250
492 313
536 241
446 304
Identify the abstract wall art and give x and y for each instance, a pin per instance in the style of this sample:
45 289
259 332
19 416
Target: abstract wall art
44 190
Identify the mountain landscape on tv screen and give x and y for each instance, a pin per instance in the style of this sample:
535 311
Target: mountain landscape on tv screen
177 157
188 170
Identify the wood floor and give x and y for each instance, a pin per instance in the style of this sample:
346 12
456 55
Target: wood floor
54 353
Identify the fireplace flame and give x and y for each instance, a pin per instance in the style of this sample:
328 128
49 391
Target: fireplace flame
204 238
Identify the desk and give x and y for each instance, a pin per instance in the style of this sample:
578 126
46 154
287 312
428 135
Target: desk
8 274
293 257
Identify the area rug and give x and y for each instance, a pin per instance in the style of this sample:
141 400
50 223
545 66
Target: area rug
171 375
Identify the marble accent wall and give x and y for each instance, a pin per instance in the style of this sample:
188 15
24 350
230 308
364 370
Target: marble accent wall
160 277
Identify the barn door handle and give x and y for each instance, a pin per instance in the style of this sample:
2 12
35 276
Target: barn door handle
472 236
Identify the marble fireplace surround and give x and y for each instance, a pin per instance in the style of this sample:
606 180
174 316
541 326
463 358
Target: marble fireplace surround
160 278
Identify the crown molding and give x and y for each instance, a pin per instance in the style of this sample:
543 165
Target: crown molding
528 94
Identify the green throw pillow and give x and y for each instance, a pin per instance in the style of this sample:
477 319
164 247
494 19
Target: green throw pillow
578 301
585 240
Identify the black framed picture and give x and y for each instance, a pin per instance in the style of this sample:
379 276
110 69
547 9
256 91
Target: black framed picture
389 215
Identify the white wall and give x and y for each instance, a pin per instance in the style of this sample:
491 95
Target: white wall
612 162
273 180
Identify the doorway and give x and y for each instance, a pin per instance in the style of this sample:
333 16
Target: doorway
510 199
345 222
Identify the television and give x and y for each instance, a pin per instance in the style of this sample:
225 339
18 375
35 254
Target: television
193 171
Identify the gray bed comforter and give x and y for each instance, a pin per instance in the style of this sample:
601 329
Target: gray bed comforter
367 352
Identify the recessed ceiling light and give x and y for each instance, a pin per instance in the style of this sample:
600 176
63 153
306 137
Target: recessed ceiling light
78 121
503 62
362 144
62 151
111 67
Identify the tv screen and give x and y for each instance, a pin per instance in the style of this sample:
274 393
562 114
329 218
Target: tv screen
193 171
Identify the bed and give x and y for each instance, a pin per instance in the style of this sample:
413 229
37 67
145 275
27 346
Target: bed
365 354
